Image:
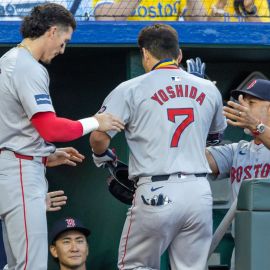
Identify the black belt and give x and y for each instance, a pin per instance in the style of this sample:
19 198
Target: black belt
165 177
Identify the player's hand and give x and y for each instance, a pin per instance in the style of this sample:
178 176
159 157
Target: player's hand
239 115
196 67
108 122
65 156
55 200
100 160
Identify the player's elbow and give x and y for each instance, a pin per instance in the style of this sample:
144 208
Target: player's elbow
48 136
99 140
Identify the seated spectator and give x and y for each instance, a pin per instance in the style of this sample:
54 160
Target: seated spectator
68 243
238 10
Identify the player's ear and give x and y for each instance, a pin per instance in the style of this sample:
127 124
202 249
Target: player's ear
179 59
51 32
268 108
53 251
145 54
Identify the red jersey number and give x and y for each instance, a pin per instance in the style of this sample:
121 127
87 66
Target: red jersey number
172 114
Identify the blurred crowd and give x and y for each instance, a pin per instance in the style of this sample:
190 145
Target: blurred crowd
149 10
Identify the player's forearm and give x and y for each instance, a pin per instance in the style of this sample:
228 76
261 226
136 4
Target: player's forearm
99 142
212 163
56 129
116 11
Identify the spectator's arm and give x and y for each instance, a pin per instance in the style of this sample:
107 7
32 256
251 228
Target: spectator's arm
195 11
249 5
218 11
115 11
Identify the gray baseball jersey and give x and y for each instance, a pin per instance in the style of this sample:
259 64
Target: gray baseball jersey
243 160
172 100
21 97
168 114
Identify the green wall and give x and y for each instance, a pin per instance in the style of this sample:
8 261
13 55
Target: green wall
80 80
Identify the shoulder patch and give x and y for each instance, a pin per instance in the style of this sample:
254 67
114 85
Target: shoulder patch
43 99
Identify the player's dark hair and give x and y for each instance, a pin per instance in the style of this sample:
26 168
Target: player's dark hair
42 17
161 40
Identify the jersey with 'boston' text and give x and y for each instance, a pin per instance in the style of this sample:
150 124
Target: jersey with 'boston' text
243 160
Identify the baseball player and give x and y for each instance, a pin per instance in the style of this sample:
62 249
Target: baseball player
245 160
168 114
29 125
68 243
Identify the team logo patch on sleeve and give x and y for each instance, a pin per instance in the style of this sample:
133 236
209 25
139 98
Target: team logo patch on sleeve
102 109
43 99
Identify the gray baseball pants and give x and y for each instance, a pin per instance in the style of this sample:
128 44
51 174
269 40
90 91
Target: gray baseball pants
23 189
181 223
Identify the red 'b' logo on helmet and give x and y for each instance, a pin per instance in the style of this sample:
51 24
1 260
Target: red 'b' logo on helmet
251 84
70 222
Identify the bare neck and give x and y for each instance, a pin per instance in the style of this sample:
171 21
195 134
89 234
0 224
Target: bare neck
34 46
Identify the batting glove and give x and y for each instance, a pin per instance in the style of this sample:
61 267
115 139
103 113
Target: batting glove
196 67
100 160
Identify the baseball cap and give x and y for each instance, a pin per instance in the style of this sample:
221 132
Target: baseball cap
67 224
258 88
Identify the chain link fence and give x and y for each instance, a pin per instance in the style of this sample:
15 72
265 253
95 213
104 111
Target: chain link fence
148 10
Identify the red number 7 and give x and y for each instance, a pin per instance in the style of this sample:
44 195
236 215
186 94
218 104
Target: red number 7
172 113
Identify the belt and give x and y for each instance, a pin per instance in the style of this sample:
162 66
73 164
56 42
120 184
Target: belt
20 156
165 177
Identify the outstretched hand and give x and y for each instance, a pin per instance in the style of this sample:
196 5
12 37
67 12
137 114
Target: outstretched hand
65 156
55 200
196 67
239 115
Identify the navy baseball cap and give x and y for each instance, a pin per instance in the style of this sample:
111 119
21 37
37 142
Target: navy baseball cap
67 224
257 88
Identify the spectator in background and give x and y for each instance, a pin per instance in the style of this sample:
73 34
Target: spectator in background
82 10
238 10
149 10
68 243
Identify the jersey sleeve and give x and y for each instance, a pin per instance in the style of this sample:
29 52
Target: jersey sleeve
118 103
219 123
32 88
223 155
